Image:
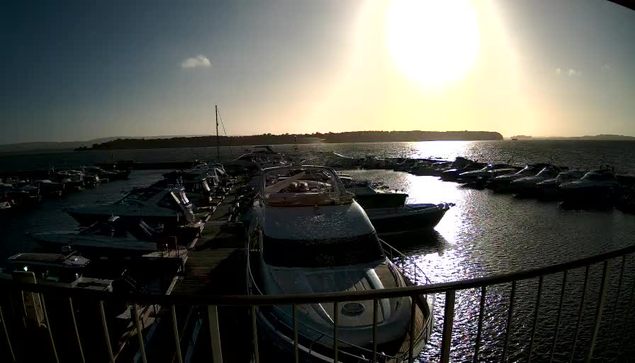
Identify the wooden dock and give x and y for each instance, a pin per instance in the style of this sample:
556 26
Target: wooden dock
217 252
215 266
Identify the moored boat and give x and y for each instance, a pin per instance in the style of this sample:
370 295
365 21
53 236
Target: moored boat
407 218
548 189
596 187
307 236
114 237
168 206
485 173
527 186
502 182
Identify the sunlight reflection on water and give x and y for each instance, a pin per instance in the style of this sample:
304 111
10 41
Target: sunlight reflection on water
487 234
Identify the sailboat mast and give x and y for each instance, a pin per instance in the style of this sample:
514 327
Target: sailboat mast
217 140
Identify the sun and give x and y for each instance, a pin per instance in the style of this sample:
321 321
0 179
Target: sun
433 42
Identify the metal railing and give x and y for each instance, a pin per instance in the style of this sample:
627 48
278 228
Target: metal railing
449 290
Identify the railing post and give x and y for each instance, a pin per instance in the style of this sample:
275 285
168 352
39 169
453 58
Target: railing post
580 313
479 331
617 300
448 322
142 348
336 320
510 316
536 311
214 332
600 309
413 315
555 336
48 327
79 342
375 308
104 325
6 333
626 318
177 339
254 334
296 352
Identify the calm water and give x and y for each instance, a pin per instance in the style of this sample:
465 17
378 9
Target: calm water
575 154
484 234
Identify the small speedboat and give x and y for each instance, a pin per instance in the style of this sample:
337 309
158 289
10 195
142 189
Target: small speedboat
168 206
308 235
91 180
369 197
502 183
407 218
115 236
56 269
50 188
453 173
596 187
6 201
485 173
548 189
72 179
107 174
526 186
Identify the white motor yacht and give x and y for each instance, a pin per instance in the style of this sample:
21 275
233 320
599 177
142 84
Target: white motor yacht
548 189
527 185
502 182
308 235
485 173
595 187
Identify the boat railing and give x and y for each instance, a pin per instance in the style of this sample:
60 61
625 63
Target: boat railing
612 307
253 283
407 265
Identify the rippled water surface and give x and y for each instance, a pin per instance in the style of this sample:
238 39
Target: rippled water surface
483 235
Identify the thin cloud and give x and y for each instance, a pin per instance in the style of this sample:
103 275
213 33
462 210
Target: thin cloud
196 62
605 67
558 71
573 73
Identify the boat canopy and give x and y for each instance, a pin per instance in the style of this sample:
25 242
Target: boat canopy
302 186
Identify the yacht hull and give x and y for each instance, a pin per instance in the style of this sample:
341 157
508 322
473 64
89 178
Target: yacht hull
88 218
407 219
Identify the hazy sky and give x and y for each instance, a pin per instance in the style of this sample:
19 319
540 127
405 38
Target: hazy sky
76 70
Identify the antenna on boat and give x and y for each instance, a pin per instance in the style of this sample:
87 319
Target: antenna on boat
217 140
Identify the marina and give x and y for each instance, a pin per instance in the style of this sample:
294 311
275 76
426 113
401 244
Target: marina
210 264
390 181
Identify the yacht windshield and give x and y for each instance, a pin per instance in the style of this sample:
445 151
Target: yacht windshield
322 253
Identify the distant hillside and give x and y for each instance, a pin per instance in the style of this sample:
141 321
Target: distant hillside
355 136
601 137
606 137
51 146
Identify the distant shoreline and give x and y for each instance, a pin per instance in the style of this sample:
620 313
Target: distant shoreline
270 139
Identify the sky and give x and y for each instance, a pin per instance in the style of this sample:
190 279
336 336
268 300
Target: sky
78 70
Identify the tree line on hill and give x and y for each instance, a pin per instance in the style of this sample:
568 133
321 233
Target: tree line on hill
271 139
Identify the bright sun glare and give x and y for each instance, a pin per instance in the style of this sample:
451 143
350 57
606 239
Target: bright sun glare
432 42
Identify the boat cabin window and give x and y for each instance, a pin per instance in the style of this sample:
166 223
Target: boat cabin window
322 253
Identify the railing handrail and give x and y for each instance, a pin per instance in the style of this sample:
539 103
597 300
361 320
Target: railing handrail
251 300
